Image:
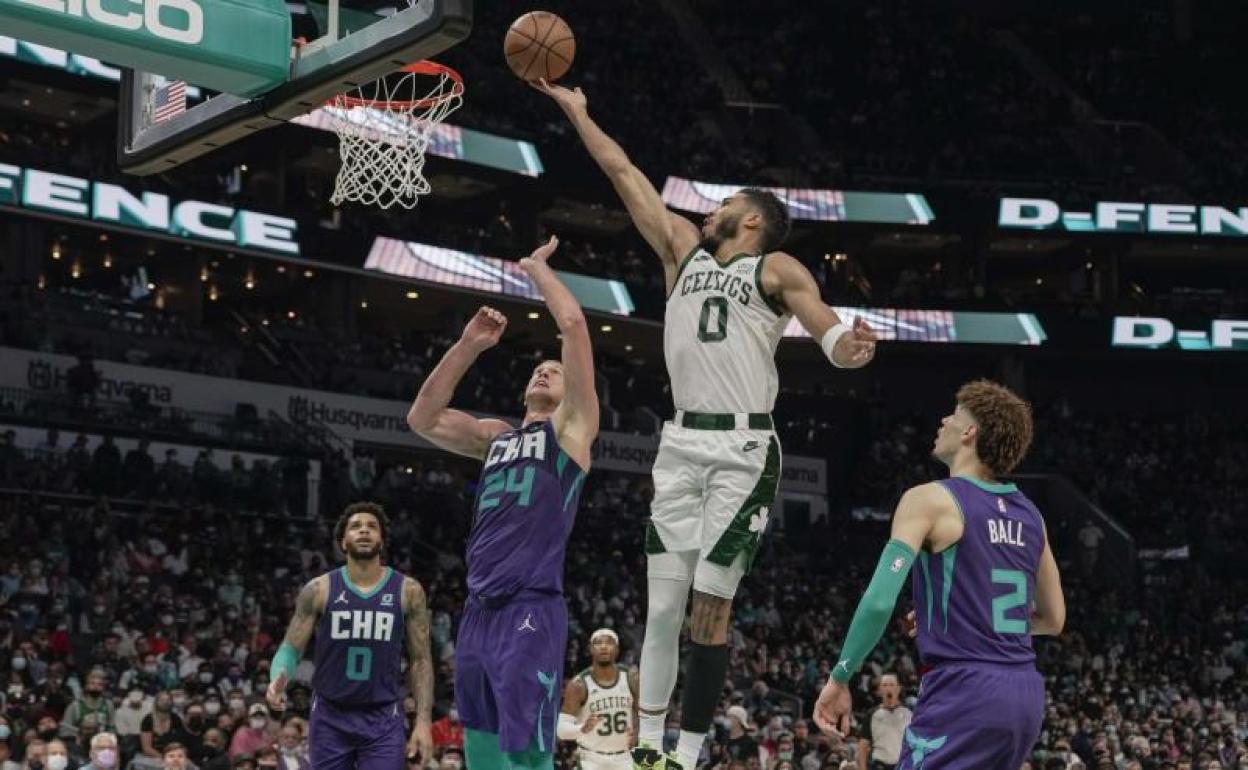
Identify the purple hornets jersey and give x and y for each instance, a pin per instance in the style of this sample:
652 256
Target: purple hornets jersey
524 511
359 642
973 600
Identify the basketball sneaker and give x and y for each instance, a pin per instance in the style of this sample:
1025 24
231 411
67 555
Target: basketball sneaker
646 757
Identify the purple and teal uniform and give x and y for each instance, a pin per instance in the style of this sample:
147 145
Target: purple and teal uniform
981 700
510 650
357 720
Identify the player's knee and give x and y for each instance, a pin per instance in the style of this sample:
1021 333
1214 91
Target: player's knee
665 608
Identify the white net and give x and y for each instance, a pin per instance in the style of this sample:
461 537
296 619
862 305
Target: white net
384 129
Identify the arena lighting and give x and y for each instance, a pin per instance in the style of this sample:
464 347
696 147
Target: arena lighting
413 294
606 327
75 270
533 316
56 251
364 304
203 274
108 260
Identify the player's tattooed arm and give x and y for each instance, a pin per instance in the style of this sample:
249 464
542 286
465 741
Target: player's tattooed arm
308 606
420 671
574 695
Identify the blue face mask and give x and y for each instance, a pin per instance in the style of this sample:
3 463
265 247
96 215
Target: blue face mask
5 732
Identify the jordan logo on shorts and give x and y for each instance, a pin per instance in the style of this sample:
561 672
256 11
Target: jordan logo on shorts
527 625
342 598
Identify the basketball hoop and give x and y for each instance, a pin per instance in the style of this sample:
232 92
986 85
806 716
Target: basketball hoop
384 129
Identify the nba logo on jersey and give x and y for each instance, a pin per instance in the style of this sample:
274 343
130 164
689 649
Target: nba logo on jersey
1001 504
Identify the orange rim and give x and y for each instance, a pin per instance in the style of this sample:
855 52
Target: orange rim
420 68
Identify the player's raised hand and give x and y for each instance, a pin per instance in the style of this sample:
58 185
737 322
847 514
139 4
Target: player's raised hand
856 349
569 99
276 694
420 744
540 254
484 329
833 708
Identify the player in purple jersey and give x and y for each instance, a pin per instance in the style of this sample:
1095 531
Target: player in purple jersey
510 649
363 614
987 582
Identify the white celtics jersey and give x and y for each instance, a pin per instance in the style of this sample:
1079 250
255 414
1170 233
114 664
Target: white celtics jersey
720 335
614 705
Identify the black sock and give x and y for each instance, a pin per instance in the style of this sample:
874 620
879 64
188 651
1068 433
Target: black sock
704 681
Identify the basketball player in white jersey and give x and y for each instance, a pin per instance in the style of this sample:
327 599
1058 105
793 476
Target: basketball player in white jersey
730 296
600 708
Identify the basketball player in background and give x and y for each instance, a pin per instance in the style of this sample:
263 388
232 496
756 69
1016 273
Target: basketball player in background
987 582
730 295
513 635
363 613
600 707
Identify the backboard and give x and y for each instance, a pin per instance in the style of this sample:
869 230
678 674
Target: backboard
344 43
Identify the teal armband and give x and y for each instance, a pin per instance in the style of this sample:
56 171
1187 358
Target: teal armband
285 661
875 609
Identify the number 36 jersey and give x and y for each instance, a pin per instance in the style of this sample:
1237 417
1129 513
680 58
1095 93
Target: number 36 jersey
613 705
720 335
525 507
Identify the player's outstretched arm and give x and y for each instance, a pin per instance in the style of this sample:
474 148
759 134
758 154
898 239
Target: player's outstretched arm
846 347
670 235
308 607
576 419
1048 617
420 670
912 523
430 417
574 695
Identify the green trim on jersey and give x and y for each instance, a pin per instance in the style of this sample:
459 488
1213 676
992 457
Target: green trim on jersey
740 536
654 543
988 486
947 559
758 284
680 268
346 579
732 259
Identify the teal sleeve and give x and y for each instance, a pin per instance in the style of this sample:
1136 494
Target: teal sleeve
875 609
285 661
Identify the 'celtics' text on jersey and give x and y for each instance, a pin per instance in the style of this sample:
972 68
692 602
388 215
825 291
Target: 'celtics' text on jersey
720 335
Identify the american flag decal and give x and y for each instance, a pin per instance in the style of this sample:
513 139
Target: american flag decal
169 101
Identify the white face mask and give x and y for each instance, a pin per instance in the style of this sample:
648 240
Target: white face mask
57 762
258 723
106 758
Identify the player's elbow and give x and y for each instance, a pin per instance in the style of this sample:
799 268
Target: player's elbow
420 420
572 321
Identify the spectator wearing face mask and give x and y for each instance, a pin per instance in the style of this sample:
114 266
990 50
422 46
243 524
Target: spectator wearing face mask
212 755
292 748
56 755
196 721
95 700
740 745
104 753
159 729
6 746
254 735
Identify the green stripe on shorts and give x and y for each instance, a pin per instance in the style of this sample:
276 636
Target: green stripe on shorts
745 531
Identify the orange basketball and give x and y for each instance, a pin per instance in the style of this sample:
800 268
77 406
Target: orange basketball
539 45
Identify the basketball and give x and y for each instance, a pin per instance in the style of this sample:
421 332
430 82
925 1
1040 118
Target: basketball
539 45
